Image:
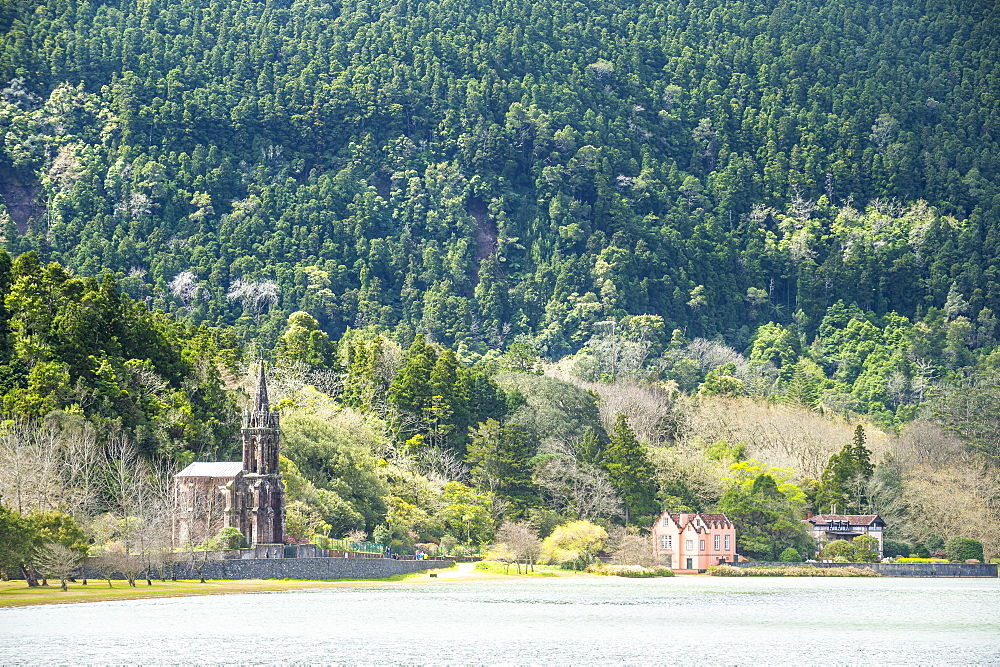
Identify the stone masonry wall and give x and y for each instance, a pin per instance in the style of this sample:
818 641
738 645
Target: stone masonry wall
301 568
906 569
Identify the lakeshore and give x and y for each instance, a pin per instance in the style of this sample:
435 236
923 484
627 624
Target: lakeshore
18 594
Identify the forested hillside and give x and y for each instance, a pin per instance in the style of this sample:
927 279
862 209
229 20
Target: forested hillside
476 171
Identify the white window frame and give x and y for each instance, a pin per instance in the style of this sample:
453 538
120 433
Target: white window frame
716 541
728 543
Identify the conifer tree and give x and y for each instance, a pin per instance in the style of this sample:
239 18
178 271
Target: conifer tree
843 483
500 458
631 471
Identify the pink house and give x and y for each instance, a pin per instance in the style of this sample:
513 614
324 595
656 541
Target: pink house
693 542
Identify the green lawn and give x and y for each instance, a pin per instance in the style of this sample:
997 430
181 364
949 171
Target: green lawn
18 594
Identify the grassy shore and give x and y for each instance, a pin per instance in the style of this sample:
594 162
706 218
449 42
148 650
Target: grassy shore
18 594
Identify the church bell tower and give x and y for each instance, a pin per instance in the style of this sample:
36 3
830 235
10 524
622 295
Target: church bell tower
263 516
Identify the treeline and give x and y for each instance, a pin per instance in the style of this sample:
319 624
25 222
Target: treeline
475 172
76 345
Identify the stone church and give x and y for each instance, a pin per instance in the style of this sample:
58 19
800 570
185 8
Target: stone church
247 494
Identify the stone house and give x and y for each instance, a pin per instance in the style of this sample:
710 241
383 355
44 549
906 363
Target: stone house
247 494
693 542
826 528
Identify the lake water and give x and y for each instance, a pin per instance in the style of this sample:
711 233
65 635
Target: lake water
683 620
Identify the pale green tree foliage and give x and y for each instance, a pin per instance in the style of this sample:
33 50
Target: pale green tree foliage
303 341
467 513
574 545
334 451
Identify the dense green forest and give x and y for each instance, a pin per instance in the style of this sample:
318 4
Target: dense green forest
515 261
477 171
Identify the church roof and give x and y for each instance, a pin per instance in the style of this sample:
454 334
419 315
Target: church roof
212 469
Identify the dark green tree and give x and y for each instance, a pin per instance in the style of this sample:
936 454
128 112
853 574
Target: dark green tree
500 458
844 483
631 472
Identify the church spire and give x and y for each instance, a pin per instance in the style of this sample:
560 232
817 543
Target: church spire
260 403
258 413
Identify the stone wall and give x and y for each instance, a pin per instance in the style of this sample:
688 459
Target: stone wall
905 569
297 568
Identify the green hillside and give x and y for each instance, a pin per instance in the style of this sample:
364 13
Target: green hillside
479 171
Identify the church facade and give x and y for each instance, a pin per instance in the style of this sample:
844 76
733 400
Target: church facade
247 495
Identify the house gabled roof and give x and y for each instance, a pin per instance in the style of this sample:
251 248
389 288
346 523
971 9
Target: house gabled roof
212 469
710 520
852 519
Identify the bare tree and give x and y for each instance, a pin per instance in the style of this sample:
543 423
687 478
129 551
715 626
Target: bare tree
256 296
573 487
138 494
58 561
29 476
443 465
520 542
48 465
186 287
629 547
783 435
649 408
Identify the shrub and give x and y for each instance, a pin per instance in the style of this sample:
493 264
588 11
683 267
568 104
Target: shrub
838 549
573 545
229 537
634 571
961 549
894 549
790 555
865 549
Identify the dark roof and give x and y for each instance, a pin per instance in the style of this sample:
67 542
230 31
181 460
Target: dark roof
852 519
212 469
711 519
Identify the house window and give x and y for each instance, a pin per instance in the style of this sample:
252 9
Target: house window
715 542
666 542
701 545
689 545
727 543
666 521
668 560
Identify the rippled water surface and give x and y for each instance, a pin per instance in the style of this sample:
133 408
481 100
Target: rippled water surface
684 620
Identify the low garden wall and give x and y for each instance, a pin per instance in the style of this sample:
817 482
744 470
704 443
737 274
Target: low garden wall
286 568
904 569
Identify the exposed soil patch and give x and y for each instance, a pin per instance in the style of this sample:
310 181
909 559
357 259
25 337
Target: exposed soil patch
22 196
486 231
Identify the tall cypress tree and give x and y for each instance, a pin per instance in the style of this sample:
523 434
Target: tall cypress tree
843 483
631 471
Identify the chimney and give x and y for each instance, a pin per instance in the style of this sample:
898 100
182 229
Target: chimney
809 515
